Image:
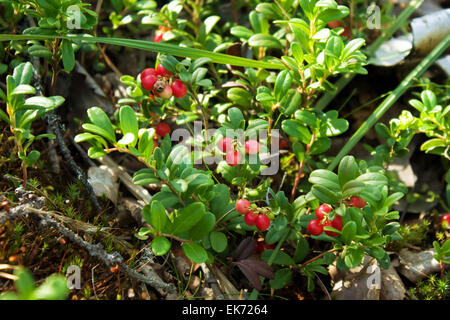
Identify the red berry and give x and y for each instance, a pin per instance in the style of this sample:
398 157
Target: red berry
262 222
261 246
283 144
315 228
162 129
158 36
149 82
252 146
226 144
166 93
163 72
250 218
322 210
179 89
357 202
445 221
147 72
233 158
243 206
337 222
330 233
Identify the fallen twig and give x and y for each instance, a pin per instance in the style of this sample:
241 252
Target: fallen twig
30 203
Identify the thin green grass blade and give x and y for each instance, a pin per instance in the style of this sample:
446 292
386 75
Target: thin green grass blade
391 99
158 47
325 100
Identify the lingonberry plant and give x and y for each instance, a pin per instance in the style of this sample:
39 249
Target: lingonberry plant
21 112
237 153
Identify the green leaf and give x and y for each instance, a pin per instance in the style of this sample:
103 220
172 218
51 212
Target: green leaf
236 118
195 252
160 245
188 217
42 102
99 118
354 256
348 170
22 74
53 288
282 278
325 178
432 144
24 283
293 102
264 40
390 228
68 55
23 89
296 129
351 47
325 195
144 177
129 124
218 241
297 52
240 96
352 188
282 84
158 216
348 232
203 227
241 32
302 250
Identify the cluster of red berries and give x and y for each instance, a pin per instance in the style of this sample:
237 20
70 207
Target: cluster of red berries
445 221
160 32
316 226
158 82
232 156
252 218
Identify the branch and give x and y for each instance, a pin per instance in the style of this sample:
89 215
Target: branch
30 203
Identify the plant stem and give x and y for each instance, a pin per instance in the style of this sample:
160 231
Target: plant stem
391 99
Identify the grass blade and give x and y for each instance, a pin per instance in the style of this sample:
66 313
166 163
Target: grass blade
158 47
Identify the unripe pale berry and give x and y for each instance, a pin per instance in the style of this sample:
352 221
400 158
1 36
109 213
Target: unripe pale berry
252 146
166 93
315 227
233 158
179 89
148 82
243 206
262 222
163 72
